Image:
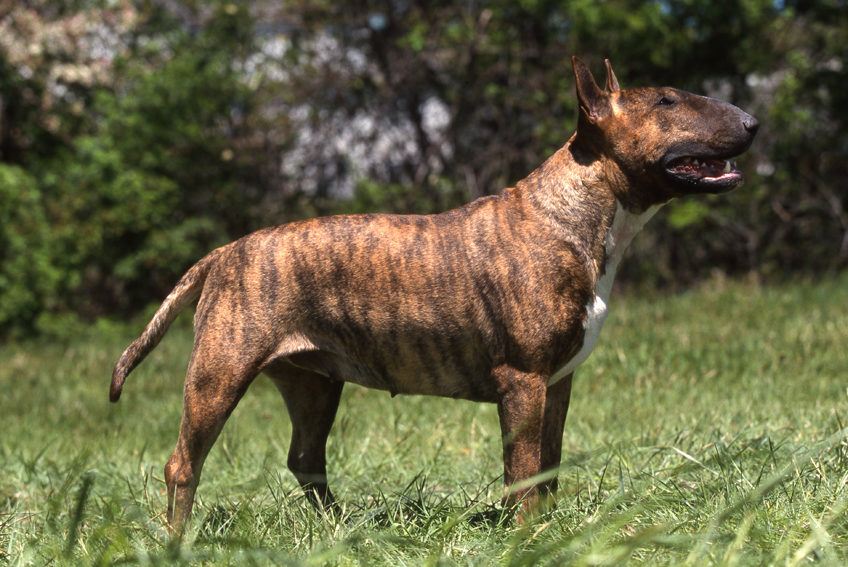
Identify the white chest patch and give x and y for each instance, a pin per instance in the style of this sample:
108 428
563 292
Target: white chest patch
625 226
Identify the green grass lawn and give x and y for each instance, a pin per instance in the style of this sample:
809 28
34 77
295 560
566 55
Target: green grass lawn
708 428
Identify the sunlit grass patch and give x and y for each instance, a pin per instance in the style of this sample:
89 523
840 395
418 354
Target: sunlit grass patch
707 429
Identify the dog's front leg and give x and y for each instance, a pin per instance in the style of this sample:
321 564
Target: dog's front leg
556 408
521 408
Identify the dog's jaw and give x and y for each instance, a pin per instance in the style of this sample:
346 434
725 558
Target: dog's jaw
625 226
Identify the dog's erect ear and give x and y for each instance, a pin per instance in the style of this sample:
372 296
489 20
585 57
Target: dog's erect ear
612 81
594 102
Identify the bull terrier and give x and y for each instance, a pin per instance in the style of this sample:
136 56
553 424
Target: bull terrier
498 301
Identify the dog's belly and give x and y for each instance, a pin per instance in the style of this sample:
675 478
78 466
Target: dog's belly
420 367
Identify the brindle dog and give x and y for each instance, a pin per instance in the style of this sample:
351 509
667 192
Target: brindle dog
496 301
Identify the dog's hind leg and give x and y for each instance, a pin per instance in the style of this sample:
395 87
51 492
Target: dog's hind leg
312 401
556 408
212 391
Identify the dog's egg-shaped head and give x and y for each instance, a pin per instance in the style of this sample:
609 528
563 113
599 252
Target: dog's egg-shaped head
665 142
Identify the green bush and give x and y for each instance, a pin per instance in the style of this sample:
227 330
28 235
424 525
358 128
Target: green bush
150 188
28 277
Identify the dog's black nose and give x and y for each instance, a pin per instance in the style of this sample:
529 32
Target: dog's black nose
751 124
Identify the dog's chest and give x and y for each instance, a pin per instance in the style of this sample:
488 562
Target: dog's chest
624 227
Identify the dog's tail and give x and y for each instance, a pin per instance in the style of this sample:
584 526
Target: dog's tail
185 292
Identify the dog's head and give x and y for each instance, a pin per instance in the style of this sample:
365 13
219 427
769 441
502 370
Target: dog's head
667 142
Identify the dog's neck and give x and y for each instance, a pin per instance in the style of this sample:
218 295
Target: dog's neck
578 198
575 193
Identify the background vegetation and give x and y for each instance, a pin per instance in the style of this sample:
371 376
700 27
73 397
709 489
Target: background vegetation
135 136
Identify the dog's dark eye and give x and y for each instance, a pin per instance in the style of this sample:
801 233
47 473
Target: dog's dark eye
665 101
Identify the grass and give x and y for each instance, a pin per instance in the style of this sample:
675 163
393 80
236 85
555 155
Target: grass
708 428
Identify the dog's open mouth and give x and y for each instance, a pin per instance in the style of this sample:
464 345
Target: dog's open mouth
716 173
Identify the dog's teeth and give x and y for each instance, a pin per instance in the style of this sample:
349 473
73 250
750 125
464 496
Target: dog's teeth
727 166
